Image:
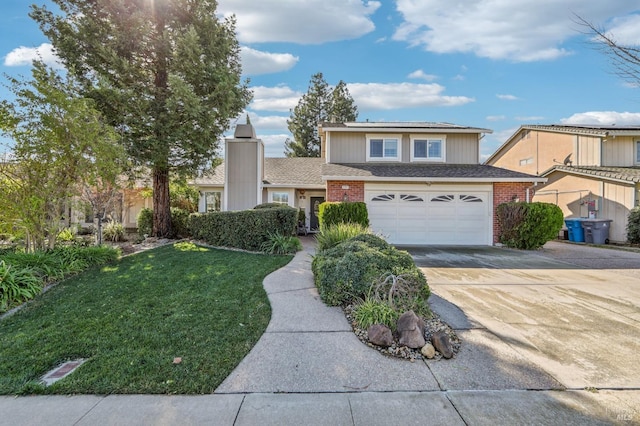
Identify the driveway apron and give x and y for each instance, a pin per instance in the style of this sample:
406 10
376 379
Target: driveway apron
573 311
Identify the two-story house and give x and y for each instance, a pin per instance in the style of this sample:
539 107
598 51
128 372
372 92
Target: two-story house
422 182
592 171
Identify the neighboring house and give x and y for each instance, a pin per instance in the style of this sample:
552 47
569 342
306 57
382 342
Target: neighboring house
422 182
592 171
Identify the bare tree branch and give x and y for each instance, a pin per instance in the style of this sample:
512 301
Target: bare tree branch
624 58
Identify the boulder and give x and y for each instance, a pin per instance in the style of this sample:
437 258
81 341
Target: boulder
380 335
411 330
428 351
442 343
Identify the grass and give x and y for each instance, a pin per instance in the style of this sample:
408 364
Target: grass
132 318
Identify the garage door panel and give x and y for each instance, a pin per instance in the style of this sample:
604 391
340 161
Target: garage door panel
431 217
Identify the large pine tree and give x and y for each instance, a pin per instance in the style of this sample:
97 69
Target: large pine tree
166 73
320 103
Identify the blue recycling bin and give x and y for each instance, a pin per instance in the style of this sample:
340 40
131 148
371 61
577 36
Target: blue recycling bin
576 232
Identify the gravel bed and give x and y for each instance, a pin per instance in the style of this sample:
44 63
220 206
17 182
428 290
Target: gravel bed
433 325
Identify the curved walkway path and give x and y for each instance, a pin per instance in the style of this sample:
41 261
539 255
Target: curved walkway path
310 368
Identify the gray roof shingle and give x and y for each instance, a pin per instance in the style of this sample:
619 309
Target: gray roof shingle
312 172
421 171
277 171
629 174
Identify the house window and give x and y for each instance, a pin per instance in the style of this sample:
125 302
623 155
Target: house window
212 201
526 161
280 198
384 147
637 151
429 148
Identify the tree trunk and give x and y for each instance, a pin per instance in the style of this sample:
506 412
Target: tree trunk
161 205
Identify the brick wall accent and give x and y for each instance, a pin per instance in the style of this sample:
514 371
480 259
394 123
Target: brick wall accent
504 192
335 190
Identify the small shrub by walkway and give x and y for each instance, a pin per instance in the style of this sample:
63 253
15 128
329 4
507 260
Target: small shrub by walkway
174 320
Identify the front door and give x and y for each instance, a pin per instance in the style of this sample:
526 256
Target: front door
314 223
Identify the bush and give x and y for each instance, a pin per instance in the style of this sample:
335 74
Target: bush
373 311
332 213
113 231
330 236
17 285
633 226
66 235
528 226
22 275
180 223
269 206
281 244
247 229
346 272
406 292
144 222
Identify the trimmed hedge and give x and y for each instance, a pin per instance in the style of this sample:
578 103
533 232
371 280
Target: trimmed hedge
247 229
179 222
528 226
347 271
334 212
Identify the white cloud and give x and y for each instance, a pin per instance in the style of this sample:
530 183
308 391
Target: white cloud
22 55
303 22
419 74
520 31
625 30
274 144
605 118
379 96
507 97
279 98
496 117
256 62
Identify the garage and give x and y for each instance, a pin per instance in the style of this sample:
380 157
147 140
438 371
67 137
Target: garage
435 215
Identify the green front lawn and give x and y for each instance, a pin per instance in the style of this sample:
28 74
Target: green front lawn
130 320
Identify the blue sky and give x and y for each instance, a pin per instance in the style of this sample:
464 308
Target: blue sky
496 64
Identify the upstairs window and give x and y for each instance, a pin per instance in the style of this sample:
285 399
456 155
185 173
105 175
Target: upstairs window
428 148
638 152
384 147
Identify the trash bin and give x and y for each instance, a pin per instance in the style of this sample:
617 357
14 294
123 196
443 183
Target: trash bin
597 230
576 232
587 227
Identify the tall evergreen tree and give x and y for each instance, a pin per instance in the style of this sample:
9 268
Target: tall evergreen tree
320 103
165 73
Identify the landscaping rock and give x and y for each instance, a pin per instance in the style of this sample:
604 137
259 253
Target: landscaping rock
428 351
442 343
411 330
380 335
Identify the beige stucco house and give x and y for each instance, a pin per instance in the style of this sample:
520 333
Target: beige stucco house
422 182
592 171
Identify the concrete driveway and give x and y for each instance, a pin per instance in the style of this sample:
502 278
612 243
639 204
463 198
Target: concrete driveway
572 310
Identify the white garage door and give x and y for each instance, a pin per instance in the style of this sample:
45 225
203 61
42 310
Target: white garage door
445 216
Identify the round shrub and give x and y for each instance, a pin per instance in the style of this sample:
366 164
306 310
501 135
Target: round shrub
633 226
346 272
145 222
528 226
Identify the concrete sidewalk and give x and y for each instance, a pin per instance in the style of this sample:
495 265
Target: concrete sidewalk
309 368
